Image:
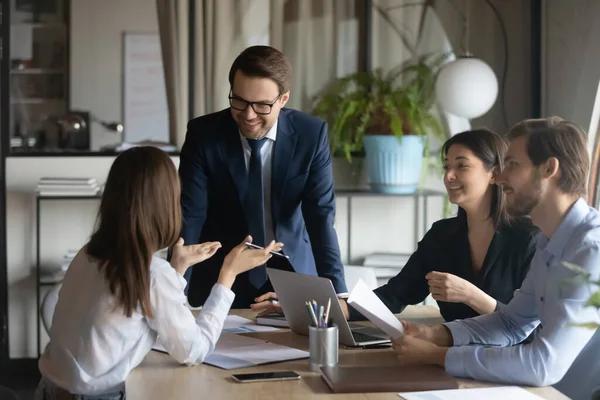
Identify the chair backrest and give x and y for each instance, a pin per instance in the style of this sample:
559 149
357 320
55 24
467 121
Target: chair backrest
7 394
356 272
48 306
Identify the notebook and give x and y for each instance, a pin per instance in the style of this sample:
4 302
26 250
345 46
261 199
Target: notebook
387 379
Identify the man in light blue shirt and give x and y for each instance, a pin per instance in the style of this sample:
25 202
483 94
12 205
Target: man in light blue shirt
544 176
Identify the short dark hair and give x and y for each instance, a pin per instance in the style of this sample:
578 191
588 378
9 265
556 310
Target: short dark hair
565 140
490 148
264 62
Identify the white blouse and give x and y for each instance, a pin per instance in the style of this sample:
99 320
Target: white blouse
93 345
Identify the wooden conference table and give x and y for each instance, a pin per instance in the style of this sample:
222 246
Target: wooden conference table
160 377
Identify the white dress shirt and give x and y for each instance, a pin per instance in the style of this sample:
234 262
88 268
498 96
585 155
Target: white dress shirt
486 348
266 153
93 345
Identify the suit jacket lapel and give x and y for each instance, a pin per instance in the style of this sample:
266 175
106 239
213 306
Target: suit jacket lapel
283 153
233 155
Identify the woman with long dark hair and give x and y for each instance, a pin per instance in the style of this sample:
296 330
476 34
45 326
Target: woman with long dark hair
471 263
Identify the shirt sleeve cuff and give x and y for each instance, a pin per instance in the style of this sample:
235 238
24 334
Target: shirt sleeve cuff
455 361
460 333
343 295
219 300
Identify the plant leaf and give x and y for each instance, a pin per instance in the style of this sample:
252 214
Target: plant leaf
589 325
594 300
577 269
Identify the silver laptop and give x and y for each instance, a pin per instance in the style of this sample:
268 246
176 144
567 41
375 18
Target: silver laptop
294 289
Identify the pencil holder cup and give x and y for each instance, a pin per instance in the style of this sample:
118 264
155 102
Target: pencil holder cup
323 347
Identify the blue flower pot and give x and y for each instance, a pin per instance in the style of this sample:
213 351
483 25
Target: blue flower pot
394 165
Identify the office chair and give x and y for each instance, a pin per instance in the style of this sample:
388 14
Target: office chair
48 306
7 394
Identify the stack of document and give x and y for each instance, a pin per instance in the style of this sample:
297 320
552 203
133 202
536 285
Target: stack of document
236 351
68 187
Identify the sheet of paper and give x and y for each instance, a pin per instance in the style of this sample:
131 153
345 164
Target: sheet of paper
368 304
491 393
226 341
236 324
159 347
230 341
237 351
240 357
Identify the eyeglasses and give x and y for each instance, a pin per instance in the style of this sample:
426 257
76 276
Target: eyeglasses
258 107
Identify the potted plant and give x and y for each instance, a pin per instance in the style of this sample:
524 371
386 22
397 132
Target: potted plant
584 277
340 104
386 116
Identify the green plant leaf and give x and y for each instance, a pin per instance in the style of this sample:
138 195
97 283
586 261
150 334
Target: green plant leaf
594 300
395 102
588 325
576 268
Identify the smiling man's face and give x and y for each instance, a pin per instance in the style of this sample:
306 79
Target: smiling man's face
520 180
252 122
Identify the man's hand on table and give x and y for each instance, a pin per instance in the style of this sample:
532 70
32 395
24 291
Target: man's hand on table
423 344
266 304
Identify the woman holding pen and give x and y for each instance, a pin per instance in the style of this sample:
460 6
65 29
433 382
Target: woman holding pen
117 297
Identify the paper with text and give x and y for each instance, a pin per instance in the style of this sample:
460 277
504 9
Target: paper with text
237 324
237 351
491 393
368 304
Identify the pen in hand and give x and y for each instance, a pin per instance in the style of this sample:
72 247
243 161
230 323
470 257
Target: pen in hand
255 246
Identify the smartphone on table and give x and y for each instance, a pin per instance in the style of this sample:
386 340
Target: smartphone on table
266 376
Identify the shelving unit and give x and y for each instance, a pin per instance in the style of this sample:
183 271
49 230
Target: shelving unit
417 196
39 70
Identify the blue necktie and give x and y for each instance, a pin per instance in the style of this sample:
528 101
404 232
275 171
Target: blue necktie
255 214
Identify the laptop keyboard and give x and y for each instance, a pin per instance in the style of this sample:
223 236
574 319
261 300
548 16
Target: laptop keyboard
361 337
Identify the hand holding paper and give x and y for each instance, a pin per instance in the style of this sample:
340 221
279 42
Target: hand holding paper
368 304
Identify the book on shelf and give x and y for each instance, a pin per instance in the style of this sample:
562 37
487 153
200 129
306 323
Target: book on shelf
68 187
67 181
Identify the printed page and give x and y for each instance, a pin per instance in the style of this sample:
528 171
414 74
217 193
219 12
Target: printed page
368 304
491 393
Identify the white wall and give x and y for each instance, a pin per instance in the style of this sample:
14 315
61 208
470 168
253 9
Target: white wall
96 63
570 58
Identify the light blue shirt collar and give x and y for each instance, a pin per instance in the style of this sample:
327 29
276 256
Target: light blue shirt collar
558 242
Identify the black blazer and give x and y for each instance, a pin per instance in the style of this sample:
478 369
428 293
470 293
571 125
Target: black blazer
445 248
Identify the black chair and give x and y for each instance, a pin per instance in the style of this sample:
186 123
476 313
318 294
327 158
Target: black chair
7 394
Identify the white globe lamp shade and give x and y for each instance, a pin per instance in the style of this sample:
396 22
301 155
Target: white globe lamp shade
466 87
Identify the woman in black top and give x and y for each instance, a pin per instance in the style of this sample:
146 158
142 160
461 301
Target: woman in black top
471 263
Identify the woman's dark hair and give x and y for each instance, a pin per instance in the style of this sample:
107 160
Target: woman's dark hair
490 148
139 214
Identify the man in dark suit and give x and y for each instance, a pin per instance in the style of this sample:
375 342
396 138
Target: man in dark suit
260 169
